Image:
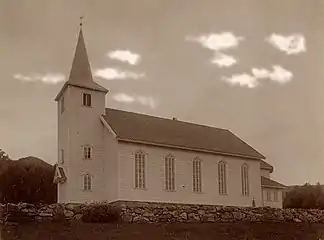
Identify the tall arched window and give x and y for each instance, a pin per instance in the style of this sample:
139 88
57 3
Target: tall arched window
222 177
139 169
87 183
196 176
245 180
169 169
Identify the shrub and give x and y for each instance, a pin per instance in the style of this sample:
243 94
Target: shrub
100 213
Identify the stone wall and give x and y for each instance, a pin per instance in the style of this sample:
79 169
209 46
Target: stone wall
139 212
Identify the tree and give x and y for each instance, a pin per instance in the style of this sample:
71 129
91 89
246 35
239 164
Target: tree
3 155
28 181
306 196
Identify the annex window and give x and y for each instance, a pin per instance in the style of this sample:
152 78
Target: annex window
268 195
87 152
169 173
87 182
140 170
86 99
222 177
62 105
196 176
62 156
245 180
275 196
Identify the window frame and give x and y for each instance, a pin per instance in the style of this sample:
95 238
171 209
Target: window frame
222 177
197 175
245 181
169 173
87 182
86 99
87 152
140 170
268 195
275 196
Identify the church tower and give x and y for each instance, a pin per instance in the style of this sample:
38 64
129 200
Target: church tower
81 103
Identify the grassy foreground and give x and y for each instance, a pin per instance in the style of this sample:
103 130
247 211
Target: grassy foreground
195 231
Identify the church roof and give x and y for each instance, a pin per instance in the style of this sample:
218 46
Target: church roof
266 166
151 130
80 74
267 182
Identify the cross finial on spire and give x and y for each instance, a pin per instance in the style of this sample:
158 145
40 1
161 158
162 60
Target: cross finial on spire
81 21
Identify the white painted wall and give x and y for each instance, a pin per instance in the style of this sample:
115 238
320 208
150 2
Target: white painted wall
183 166
272 202
78 126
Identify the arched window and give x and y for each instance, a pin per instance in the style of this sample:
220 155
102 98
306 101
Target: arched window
245 180
169 169
196 176
87 184
222 177
139 169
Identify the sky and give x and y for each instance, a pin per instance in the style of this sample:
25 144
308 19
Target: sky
253 66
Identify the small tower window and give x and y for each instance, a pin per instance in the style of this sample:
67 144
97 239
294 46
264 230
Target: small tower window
87 152
86 99
87 182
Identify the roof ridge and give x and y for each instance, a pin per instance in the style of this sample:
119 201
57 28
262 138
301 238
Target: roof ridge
164 118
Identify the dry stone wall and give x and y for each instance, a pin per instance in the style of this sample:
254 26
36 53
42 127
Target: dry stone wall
139 212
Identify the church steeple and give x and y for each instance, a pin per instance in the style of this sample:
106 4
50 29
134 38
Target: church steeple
80 73
81 70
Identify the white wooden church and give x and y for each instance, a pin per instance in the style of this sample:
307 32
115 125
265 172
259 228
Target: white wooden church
108 154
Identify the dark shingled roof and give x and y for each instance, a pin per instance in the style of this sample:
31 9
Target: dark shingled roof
267 182
135 127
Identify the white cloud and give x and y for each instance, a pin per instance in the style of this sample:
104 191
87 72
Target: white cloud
223 60
217 41
114 73
243 80
125 56
146 101
278 74
260 72
281 75
292 44
48 78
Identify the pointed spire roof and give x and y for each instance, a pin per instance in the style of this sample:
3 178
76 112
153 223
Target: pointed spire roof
80 73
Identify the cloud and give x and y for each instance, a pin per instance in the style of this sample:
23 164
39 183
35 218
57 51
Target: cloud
114 73
292 44
260 73
146 101
223 60
48 78
243 80
217 41
278 74
125 56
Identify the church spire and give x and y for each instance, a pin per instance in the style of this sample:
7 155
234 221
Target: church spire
80 73
81 70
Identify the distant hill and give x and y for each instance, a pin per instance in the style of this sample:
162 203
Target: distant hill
33 162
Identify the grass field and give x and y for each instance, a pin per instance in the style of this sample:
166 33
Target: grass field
212 231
